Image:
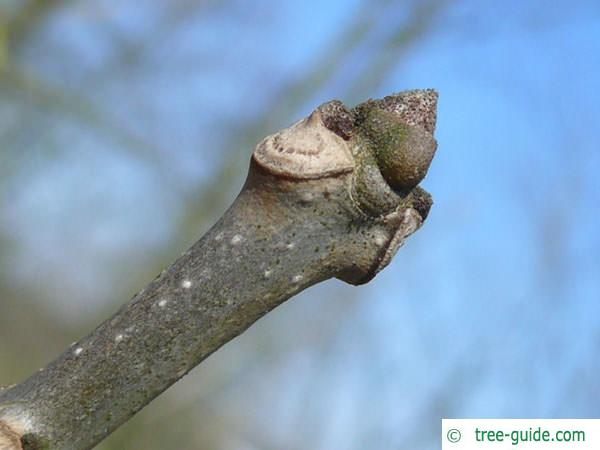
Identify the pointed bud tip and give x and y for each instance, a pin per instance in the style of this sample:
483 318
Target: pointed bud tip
414 107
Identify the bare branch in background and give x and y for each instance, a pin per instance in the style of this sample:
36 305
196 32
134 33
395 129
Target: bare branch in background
79 109
29 16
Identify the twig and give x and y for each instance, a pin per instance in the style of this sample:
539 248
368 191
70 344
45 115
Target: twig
335 195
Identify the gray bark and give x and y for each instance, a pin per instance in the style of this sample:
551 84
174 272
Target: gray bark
335 195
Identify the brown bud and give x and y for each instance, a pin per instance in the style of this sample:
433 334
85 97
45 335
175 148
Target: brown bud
403 152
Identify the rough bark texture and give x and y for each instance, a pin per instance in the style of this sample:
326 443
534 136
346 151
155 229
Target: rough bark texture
334 195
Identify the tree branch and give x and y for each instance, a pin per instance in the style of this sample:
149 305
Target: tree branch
334 195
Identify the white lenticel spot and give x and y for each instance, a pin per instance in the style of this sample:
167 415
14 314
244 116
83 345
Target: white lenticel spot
236 239
186 284
268 273
306 196
162 303
219 236
290 246
297 278
380 239
118 338
78 351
